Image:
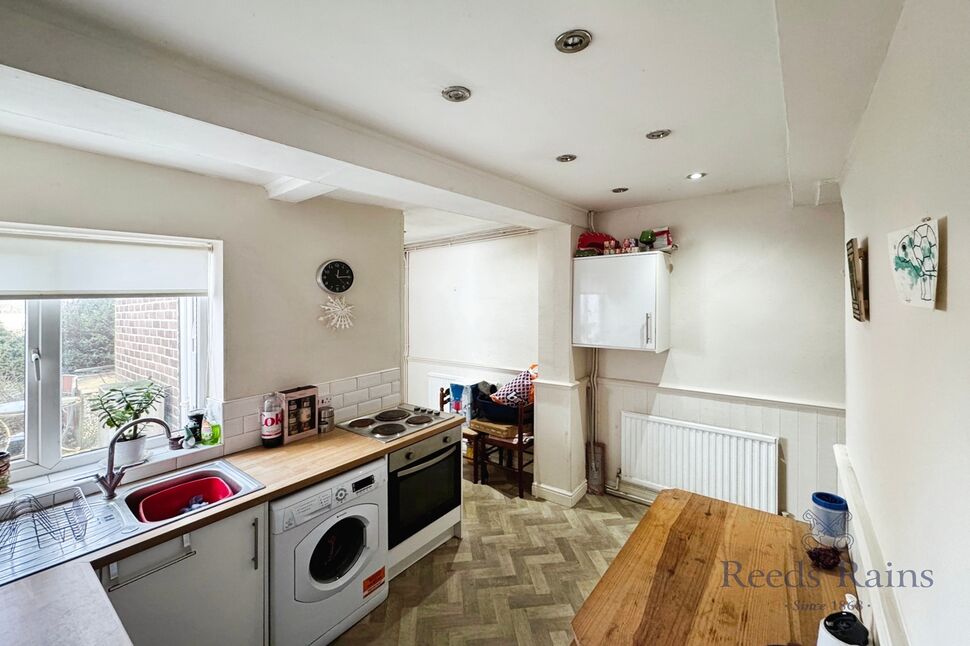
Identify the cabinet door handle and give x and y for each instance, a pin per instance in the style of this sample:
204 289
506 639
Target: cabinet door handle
157 568
255 543
646 329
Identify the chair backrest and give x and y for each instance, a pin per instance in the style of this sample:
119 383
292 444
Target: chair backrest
444 398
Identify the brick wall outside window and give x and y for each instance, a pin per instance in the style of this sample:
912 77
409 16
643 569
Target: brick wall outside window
147 344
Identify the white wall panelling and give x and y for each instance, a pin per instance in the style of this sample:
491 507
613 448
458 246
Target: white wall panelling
806 434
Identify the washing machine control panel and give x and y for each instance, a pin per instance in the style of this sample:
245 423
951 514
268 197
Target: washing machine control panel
325 497
307 509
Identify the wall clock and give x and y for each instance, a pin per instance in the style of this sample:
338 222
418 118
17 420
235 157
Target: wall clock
335 276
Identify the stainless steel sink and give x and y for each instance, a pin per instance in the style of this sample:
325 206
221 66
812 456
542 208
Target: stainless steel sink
239 483
26 551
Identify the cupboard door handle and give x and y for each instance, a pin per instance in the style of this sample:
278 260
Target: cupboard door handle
157 568
255 543
646 329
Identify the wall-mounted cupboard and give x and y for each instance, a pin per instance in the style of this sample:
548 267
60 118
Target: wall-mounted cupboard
622 301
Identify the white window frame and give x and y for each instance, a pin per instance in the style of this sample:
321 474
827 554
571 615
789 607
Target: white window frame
42 398
193 352
206 381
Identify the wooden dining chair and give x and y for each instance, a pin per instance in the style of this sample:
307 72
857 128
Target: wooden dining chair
512 443
473 437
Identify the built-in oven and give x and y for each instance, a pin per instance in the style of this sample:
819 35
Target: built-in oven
424 484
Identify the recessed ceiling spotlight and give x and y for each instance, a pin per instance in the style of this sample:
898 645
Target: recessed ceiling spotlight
456 93
566 158
696 175
620 189
574 40
658 134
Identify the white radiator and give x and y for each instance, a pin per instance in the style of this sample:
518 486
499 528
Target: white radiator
659 453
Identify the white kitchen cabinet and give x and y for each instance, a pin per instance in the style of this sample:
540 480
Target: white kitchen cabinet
622 301
208 588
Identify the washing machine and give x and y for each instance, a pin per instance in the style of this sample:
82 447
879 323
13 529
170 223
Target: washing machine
328 556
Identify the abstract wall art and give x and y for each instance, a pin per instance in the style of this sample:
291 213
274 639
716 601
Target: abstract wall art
914 254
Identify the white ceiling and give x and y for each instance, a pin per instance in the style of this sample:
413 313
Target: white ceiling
707 69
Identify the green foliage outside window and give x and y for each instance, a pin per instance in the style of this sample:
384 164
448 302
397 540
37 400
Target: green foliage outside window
90 325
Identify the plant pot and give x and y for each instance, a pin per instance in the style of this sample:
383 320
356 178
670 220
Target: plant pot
130 451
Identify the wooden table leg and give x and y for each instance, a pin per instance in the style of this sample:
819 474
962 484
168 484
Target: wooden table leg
484 457
475 459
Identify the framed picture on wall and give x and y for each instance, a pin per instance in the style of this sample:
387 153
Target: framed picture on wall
299 413
855 255
914 256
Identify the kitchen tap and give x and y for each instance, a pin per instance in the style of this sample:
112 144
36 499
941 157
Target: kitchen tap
111 478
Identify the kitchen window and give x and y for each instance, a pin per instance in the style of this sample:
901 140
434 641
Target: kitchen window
81 312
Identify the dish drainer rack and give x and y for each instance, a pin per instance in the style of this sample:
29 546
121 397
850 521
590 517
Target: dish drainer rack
26 521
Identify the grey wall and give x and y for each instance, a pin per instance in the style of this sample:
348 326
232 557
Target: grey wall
272 249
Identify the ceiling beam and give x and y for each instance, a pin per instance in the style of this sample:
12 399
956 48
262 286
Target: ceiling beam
831 52
358 160
291 189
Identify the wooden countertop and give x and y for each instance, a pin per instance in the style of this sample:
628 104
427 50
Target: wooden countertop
67 605
666 587
63 605
282 471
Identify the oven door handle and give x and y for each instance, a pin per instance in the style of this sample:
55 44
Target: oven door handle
425 465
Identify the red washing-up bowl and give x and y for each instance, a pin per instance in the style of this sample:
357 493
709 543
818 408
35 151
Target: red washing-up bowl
168 503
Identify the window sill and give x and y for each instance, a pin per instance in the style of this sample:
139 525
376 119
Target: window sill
162 460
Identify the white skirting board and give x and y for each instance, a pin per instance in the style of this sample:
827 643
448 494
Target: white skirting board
424 542
559 496
880 610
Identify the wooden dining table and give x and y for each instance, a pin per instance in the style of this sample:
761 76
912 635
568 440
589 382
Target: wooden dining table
700 571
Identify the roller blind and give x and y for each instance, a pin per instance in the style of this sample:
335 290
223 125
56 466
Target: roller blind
55 263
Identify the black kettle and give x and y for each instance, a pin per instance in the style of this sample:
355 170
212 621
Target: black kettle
842 628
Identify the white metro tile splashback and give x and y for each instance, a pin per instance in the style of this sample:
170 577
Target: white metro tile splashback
366 381
351 397
369 407
343 386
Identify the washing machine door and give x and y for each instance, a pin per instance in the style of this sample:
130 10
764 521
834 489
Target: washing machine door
333 555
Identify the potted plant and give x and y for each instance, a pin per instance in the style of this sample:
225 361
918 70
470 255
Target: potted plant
118 405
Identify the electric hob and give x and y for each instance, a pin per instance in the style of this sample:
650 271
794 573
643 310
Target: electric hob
393 423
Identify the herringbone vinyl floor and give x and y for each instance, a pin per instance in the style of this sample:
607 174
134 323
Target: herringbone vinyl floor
518 576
